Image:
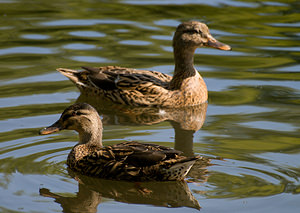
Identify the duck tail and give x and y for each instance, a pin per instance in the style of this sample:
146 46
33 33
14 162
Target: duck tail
73 75
181 168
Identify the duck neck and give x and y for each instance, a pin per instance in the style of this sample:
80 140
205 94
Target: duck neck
91 135
184 65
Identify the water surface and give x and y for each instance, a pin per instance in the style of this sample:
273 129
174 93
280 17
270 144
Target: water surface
251 128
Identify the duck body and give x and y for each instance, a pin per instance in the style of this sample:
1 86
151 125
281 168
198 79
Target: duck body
132 161
137 87
151 88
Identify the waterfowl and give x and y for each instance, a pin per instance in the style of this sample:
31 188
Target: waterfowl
151 88
131 161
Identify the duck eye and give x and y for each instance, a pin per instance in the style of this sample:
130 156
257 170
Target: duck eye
76 113
193 31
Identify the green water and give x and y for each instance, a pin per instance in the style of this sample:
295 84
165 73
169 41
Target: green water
251 126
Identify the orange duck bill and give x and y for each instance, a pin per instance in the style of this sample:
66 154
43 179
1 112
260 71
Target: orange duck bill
212 42
51 129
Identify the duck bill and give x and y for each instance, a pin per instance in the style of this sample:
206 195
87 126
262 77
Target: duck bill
51 129
214 43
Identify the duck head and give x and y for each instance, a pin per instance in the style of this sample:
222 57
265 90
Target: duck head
82 118
194 34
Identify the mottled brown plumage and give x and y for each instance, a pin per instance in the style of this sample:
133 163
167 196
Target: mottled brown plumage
150 88
125 161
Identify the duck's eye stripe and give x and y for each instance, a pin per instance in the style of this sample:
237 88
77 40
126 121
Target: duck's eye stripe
81 113
65 117
192 31
74 113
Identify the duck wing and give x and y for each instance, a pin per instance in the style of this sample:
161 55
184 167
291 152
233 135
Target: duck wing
134 153
111 78
145 154
123 85
134 161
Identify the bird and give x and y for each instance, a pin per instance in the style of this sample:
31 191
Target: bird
147 88
130 160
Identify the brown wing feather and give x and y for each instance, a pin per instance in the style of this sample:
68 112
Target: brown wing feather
144 154
127 160
111 78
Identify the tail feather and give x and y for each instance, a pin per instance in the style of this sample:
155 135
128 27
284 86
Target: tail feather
73 75
181 168
91 69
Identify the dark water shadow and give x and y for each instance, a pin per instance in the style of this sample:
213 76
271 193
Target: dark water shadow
91 192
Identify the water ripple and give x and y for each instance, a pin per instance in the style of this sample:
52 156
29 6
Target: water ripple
35 36
270 125
89 22
87 34
179 2
38 99
79 46
252 120
135 42
27 50
91 59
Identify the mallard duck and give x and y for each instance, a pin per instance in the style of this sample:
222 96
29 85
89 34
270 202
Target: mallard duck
131 161
150 88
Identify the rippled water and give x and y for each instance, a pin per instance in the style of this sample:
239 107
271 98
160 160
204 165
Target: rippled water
251 130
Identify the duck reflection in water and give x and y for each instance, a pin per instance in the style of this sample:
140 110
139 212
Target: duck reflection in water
185 121
92 191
